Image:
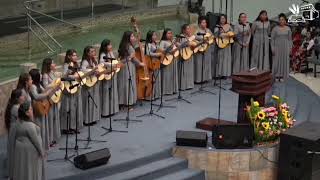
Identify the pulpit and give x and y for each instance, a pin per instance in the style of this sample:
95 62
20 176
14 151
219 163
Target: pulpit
250 84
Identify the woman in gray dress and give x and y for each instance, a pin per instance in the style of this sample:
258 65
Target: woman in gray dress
25 83
151 48
11 118
260 51
202 68
109 87
224 60
71 104
169 73
37 93
186 67
91 109
48 77
281 43
241 47
29 154
127 56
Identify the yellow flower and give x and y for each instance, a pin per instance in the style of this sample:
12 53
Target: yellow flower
285 113
266 125
256 103
275 97
261 115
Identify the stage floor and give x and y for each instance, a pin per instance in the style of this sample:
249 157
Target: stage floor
155 134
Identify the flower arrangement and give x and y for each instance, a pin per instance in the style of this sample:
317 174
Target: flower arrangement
269 122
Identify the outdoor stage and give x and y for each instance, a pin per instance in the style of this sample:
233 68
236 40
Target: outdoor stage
152 140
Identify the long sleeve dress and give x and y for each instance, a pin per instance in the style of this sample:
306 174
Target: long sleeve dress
107 86
28 164
281 44
186 70
36 95
260 34
151 51
224 59
54 114
11 138
240 53
123 80
71 106
169 73
205 74
92 113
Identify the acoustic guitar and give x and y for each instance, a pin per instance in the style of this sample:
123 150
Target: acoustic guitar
106 74
225 41
56 96
41 107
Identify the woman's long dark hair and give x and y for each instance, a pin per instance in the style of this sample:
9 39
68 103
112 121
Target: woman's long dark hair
164 34
184 27
219 19
22 112
14 99
36 78
124 44
282 15
67 60
85 56
23 80
46 65
148 40
239 21
261 12
104 44
201 18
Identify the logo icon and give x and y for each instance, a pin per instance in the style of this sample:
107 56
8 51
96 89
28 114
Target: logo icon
296 17
302 14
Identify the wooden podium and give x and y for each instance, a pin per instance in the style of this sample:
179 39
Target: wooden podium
250 84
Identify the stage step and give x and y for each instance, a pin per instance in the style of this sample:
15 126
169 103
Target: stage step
186 174
152 170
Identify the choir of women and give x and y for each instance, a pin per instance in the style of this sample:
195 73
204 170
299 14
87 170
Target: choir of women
32 133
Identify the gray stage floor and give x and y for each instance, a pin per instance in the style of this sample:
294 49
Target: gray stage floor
155 134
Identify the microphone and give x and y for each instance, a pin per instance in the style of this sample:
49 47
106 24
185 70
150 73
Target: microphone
201 34
73 86
67 79
108 58
180 36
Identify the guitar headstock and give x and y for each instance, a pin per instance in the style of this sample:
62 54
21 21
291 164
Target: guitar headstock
134 23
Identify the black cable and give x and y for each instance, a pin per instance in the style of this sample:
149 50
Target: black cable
265 158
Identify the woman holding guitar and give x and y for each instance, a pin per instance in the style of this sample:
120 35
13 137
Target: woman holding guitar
202 75
91 108
223 32
106 55
38 93
127 75
153 54
71 104
48 78
187 66
169 72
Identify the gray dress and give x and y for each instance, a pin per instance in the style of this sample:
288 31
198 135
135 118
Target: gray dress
28 164
151 51
169 73
54 115
123 80
37 94
241 57
11 138
186 69
281 43
71 103
224 59
205 74
260 33
27 95
91 112
106 86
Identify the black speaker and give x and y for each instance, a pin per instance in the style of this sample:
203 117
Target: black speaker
191 138
92 159
299 154
236 136
212 20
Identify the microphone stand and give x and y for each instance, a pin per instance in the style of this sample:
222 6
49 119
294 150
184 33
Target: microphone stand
263 45
201 89
88 111
130 86
180 98
110 130
242 43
